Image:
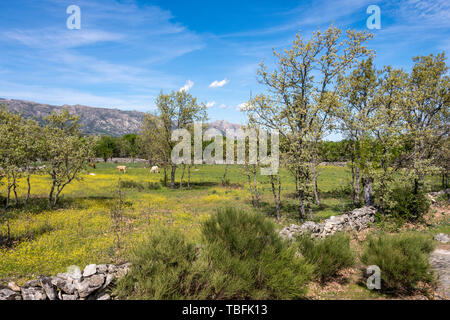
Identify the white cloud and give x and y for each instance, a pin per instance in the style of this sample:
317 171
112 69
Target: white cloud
210 104
218 84
188 86
242 107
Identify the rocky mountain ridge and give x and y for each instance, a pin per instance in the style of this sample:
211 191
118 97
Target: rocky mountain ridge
94 121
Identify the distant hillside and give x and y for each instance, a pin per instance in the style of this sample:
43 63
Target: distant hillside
94 121
223 125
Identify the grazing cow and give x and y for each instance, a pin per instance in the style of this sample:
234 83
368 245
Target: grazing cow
154 169
122 169
92 165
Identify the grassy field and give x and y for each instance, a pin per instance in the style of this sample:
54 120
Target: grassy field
80 231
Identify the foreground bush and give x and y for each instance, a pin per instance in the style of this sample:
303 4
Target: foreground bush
242 257
403 260
162 267
250 260
328 255
405 205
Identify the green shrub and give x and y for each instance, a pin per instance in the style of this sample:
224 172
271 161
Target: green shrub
250 260
403 260
131 184
162 268
153 185
405 205
328 255
242 258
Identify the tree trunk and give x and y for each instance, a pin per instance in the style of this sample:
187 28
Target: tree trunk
368 191
416 186
250 184
8 196
55 201
255 183
28 185
16 198
172 177
357 187
276 195
189 177
165 176
58 192
224 175
301 205
50 196
316 189
182 177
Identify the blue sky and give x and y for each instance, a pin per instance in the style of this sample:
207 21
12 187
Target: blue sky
127 51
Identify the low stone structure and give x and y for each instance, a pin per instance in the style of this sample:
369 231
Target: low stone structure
433 196
357 219
442 237
91 284
121 160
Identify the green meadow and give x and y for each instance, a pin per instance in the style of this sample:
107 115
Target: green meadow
80 231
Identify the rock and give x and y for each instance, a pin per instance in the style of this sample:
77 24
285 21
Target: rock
112 268
33 293
108 280
8 294
74 273
32 283
13 286
105 296
102 268
96 280
442 237
67 286
69 297
440 263
122 270
90 270
357 220
89 285
48 287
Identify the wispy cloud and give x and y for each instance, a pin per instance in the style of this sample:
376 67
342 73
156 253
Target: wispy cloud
210 104
60 39
119 50
218 84
187 86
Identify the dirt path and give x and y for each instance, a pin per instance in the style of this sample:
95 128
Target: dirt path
440 262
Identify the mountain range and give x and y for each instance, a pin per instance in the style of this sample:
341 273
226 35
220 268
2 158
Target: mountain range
95 121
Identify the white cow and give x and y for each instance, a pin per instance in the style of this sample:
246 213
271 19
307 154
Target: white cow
154 169
122 169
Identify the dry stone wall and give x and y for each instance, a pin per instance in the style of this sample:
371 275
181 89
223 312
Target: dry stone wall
357 219
90 284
